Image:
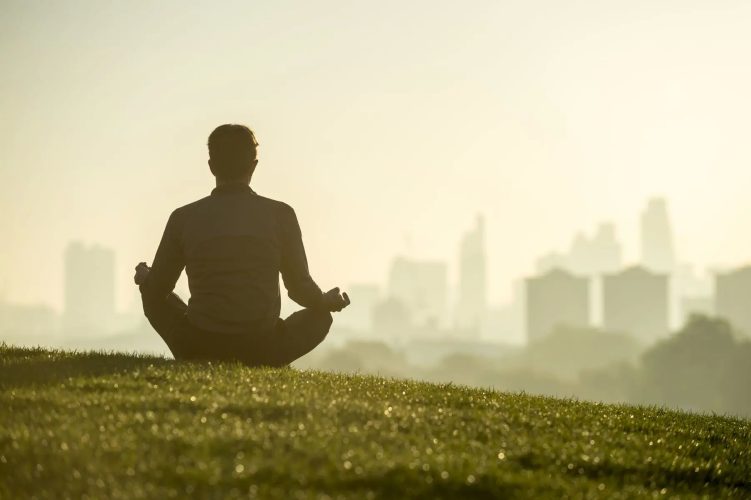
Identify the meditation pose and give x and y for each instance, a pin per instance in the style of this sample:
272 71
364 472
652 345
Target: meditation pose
233 245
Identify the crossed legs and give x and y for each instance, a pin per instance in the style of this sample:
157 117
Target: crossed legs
292 338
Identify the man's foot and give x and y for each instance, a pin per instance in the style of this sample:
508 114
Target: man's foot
142 270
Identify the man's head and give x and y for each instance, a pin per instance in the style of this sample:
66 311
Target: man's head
233 153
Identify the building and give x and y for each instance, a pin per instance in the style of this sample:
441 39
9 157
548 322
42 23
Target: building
692 293
733 298
596 255
554 299
422 286
657 247
635 301
391 319
89 302
472 301
587 256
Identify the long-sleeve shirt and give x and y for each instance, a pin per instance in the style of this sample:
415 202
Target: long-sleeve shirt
233 245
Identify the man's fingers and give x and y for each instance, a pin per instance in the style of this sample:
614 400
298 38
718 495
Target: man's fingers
337 300
341 302
142 271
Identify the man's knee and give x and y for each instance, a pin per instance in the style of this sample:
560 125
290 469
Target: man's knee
328 320
325 322
163 310
322 321
310 321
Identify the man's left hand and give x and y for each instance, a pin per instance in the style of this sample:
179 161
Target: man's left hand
142 270
335 301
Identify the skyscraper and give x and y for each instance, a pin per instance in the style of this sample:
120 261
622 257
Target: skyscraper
587 256
89 289
472 300
733 298
657 247
555 299
635 301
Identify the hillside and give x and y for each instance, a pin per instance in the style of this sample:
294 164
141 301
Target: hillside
116 425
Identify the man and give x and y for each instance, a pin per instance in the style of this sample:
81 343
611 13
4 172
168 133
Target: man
233 245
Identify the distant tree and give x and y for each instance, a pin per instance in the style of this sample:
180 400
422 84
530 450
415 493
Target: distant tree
570 350
737 379
340 360
463 368
612 384
366 357
698 368
483 372
534 382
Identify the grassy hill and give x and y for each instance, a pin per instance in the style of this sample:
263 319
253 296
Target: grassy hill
116 425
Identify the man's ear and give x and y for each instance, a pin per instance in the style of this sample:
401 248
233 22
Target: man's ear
211 167
253 166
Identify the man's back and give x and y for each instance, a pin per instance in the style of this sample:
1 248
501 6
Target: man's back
233 244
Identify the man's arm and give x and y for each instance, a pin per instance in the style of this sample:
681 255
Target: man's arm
294 264
168 263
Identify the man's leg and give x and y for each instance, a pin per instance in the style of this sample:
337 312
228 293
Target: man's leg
297 335
166 317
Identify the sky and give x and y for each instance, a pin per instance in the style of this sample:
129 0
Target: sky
387 125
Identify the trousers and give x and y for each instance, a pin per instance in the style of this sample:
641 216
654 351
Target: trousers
290 339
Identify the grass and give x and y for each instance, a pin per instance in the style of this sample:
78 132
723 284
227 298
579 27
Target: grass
96 425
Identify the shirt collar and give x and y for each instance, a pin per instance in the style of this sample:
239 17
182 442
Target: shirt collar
233 187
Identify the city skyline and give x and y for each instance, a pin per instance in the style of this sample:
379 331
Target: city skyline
592 109
629 252
606 234
434 303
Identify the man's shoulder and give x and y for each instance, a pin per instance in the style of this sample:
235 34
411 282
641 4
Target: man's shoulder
202 203
274 204
193 205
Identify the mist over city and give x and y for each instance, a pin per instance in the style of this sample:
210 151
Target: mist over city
584 324
430 250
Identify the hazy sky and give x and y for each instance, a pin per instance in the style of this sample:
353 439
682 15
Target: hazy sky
388 126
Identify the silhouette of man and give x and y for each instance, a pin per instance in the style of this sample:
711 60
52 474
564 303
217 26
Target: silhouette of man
233 245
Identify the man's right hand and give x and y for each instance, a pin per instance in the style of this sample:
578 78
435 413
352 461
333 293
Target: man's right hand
334 301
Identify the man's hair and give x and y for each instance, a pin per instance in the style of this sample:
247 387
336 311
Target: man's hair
232 149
